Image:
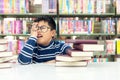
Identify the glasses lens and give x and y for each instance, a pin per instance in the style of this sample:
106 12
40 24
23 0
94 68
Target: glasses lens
43 28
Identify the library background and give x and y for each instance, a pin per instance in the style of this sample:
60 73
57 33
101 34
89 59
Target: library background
88 26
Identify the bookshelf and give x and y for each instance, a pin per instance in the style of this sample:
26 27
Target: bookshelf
65 15
109 13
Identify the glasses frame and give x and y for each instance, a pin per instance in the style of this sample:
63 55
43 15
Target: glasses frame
43 29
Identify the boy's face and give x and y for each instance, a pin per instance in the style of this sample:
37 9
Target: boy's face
44 33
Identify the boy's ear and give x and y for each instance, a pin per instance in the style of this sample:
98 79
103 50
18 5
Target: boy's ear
53 32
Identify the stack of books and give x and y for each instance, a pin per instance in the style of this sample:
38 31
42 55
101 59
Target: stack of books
6 57
81 54
74 59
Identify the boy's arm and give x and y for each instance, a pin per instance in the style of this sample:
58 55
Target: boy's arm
65 49
25 55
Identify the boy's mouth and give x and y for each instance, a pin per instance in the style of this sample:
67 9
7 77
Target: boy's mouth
39 36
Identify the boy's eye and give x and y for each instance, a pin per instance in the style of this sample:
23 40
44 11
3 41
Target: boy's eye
43 28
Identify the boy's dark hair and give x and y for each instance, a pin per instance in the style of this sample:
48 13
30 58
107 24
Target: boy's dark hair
48 19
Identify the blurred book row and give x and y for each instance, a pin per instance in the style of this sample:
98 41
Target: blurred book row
28 6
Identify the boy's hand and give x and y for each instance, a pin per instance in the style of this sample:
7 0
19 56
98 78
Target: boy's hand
34 30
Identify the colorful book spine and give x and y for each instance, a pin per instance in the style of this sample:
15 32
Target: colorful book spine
110 47
118 6
18 27
60 6
1 6
89 6
17 6
54 6
25 28
20 45
118 26
0 26
64 7
46 6
22 6
27 6
118 46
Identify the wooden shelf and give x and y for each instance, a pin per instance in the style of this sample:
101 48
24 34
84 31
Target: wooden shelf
14 34
95 34
26 15
88 15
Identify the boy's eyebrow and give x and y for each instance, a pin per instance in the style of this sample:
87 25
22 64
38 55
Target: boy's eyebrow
43 25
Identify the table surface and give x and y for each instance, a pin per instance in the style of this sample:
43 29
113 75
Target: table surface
41 71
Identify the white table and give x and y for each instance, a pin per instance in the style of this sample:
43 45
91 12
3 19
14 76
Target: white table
40 71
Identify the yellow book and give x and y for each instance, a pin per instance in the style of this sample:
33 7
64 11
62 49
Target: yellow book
60 6
118 47
64 7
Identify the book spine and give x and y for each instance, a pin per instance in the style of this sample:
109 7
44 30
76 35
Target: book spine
27 6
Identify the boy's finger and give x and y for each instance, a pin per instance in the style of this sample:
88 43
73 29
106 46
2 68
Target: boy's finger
34 24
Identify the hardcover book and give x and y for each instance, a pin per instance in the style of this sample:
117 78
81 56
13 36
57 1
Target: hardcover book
78 53
89 47
71 64
72 59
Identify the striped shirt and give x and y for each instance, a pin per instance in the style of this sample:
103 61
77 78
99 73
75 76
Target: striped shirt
35 53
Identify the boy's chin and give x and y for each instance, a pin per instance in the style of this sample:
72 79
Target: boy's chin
40 42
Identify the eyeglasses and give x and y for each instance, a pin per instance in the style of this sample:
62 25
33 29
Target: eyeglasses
43 28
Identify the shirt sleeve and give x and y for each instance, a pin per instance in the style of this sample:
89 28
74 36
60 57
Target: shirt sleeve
25 55
64 48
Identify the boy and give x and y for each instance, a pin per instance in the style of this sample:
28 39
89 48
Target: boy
41 47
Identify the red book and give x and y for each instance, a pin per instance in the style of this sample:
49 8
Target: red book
89 47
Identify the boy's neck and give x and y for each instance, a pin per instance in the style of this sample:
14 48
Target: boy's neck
47 44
